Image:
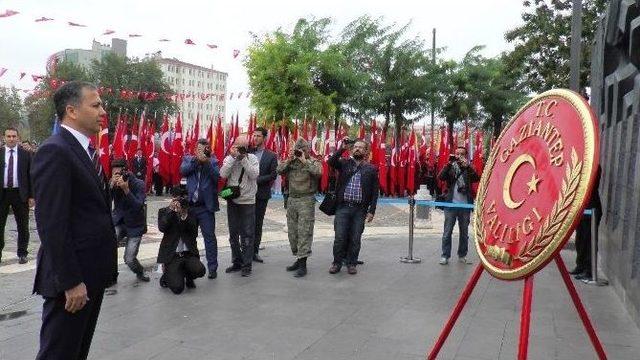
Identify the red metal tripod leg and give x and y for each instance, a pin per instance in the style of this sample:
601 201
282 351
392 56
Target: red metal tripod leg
581 311
468 289
525 317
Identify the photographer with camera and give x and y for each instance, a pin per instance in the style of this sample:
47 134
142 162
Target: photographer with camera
128 195
241 170
303 174
201 171
178 250
458 175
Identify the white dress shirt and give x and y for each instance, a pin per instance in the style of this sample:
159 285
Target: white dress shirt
82 139
7 153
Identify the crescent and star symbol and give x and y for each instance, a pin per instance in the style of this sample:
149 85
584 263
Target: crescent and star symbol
532 184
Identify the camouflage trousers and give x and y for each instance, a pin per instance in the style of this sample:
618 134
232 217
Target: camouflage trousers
301 212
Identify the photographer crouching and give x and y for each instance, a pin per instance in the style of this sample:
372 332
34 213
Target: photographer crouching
459 176
178 250
128 195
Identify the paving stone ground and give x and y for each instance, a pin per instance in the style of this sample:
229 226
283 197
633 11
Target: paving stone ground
389 310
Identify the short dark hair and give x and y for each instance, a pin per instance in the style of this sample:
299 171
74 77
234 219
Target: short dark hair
365 142
262 130
466 152
11 128
69 94
119 163
203 141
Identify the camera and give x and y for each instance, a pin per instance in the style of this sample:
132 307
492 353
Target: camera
242 150
297 152
348 141
453 158
207 152
125 176
181 194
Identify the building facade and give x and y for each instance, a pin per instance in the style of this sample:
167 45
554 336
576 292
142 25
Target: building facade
86 57
200 90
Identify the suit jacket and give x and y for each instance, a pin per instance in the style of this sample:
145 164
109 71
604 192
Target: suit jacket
74 219
469 176
208 192
139 167
174 230
267 175
369 181
24 173
129 209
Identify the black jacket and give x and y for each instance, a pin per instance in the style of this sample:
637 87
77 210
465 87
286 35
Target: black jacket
74 219
368 180
128 210
174 230
139 167
24 173
267 175
468 174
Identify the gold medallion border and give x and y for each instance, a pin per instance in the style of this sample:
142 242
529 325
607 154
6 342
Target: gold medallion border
589 148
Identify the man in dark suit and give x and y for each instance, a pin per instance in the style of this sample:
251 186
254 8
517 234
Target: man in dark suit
202 173
139 165
16 191
268 164
582 271
357 191
178 250
77 252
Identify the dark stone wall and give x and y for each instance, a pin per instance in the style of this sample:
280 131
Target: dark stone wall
615 98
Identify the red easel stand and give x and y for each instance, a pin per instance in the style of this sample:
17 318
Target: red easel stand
525 315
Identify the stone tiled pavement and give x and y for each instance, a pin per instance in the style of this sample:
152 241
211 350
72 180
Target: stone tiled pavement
390 310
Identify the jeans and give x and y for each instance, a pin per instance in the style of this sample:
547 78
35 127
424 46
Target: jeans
207 223
242 220
130 250
348 225
463 216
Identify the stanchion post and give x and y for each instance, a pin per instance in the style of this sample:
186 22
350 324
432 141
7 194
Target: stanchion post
409 258
594 252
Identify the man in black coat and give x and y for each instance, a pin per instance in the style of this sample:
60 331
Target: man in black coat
16 190
139 165
129 216
582 271
268 165
179 250
78 248
458 175
357 191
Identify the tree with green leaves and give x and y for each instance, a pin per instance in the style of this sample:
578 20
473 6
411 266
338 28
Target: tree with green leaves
11 108
287 72
542 43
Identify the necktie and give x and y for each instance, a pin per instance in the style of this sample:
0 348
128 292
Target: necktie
10 170
96 163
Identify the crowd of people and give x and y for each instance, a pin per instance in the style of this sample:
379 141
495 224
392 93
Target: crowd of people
82 214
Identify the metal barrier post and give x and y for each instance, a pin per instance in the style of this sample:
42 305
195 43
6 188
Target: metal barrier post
594 252
410 259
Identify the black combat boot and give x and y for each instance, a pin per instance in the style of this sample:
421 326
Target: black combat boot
294 266
302 268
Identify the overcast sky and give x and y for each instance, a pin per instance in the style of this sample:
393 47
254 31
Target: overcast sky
25 44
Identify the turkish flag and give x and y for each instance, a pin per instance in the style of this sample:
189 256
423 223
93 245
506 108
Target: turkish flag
324 179
443 155
118 138
392 168
219 140
412 162
362 131
103 146
178 152
381 151
164 156
149 152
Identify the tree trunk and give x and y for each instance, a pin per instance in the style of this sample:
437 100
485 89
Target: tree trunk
450 137
497 126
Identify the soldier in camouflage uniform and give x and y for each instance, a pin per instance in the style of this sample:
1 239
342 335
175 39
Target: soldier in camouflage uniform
303 173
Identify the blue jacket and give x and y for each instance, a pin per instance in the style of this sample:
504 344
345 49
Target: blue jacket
209 177
129 209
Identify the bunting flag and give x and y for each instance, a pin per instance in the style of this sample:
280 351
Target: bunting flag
42 19
164 156
2 71
8 13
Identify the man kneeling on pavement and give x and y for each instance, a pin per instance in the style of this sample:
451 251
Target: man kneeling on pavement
178 251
